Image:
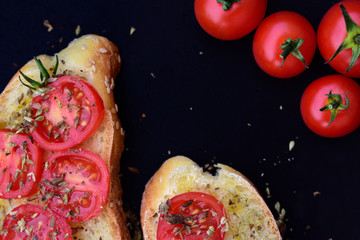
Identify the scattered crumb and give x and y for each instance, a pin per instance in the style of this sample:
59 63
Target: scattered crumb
291 145
61 39
249 124
77 30
307 227
316 193
201 53
281 107
191 108
169 152
262 174
152 75
48 25
143 116
133 170
132 30
268 195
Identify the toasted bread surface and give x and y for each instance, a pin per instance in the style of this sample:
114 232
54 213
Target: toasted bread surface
248 215
96 60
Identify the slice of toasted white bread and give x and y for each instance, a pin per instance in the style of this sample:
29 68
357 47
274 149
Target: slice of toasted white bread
96 60
248 215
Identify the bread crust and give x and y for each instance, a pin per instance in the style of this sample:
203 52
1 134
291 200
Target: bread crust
97 60
160 187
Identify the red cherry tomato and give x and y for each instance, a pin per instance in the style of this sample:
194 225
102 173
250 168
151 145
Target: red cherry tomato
316 97
193 215
75 184
332 32
66 115
272 33
20 165
30 222
238 21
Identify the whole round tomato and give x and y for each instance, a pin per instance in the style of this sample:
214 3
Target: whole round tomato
239 20
75 184
66 115
278 41
30 222
332 32
20 165
330 106
191 216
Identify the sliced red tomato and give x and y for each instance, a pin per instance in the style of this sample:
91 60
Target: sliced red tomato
238 20
284 44
192 215
75 184
332 33
330 106
32 222
20 165
66 115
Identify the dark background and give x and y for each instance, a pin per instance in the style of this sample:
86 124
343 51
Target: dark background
200 105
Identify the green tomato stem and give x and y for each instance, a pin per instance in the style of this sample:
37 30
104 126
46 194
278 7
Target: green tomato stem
351 41
334 105
292 47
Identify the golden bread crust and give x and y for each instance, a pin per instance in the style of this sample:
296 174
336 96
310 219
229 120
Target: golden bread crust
97 60
180 174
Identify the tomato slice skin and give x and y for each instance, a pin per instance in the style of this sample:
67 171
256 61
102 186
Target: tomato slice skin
314 98
28 220
75 184
272 32
332 31
242 18
72 112
206 216
18 174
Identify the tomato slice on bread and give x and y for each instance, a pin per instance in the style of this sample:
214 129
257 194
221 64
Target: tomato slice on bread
30 222
190 216
20 165
75 184
66 115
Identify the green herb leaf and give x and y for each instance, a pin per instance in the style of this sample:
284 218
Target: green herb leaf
43 72
56 67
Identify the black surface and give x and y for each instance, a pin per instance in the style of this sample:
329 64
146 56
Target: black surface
200 105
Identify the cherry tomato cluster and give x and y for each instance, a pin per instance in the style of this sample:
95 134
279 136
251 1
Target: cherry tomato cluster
72 184
284 45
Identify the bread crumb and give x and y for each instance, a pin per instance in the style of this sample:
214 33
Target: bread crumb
48 25
316 193
249 124
152 75
143 116
132 30
61 40
116 108
191 108
169 152
281 107
77 30
133 170
201 53
291 145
